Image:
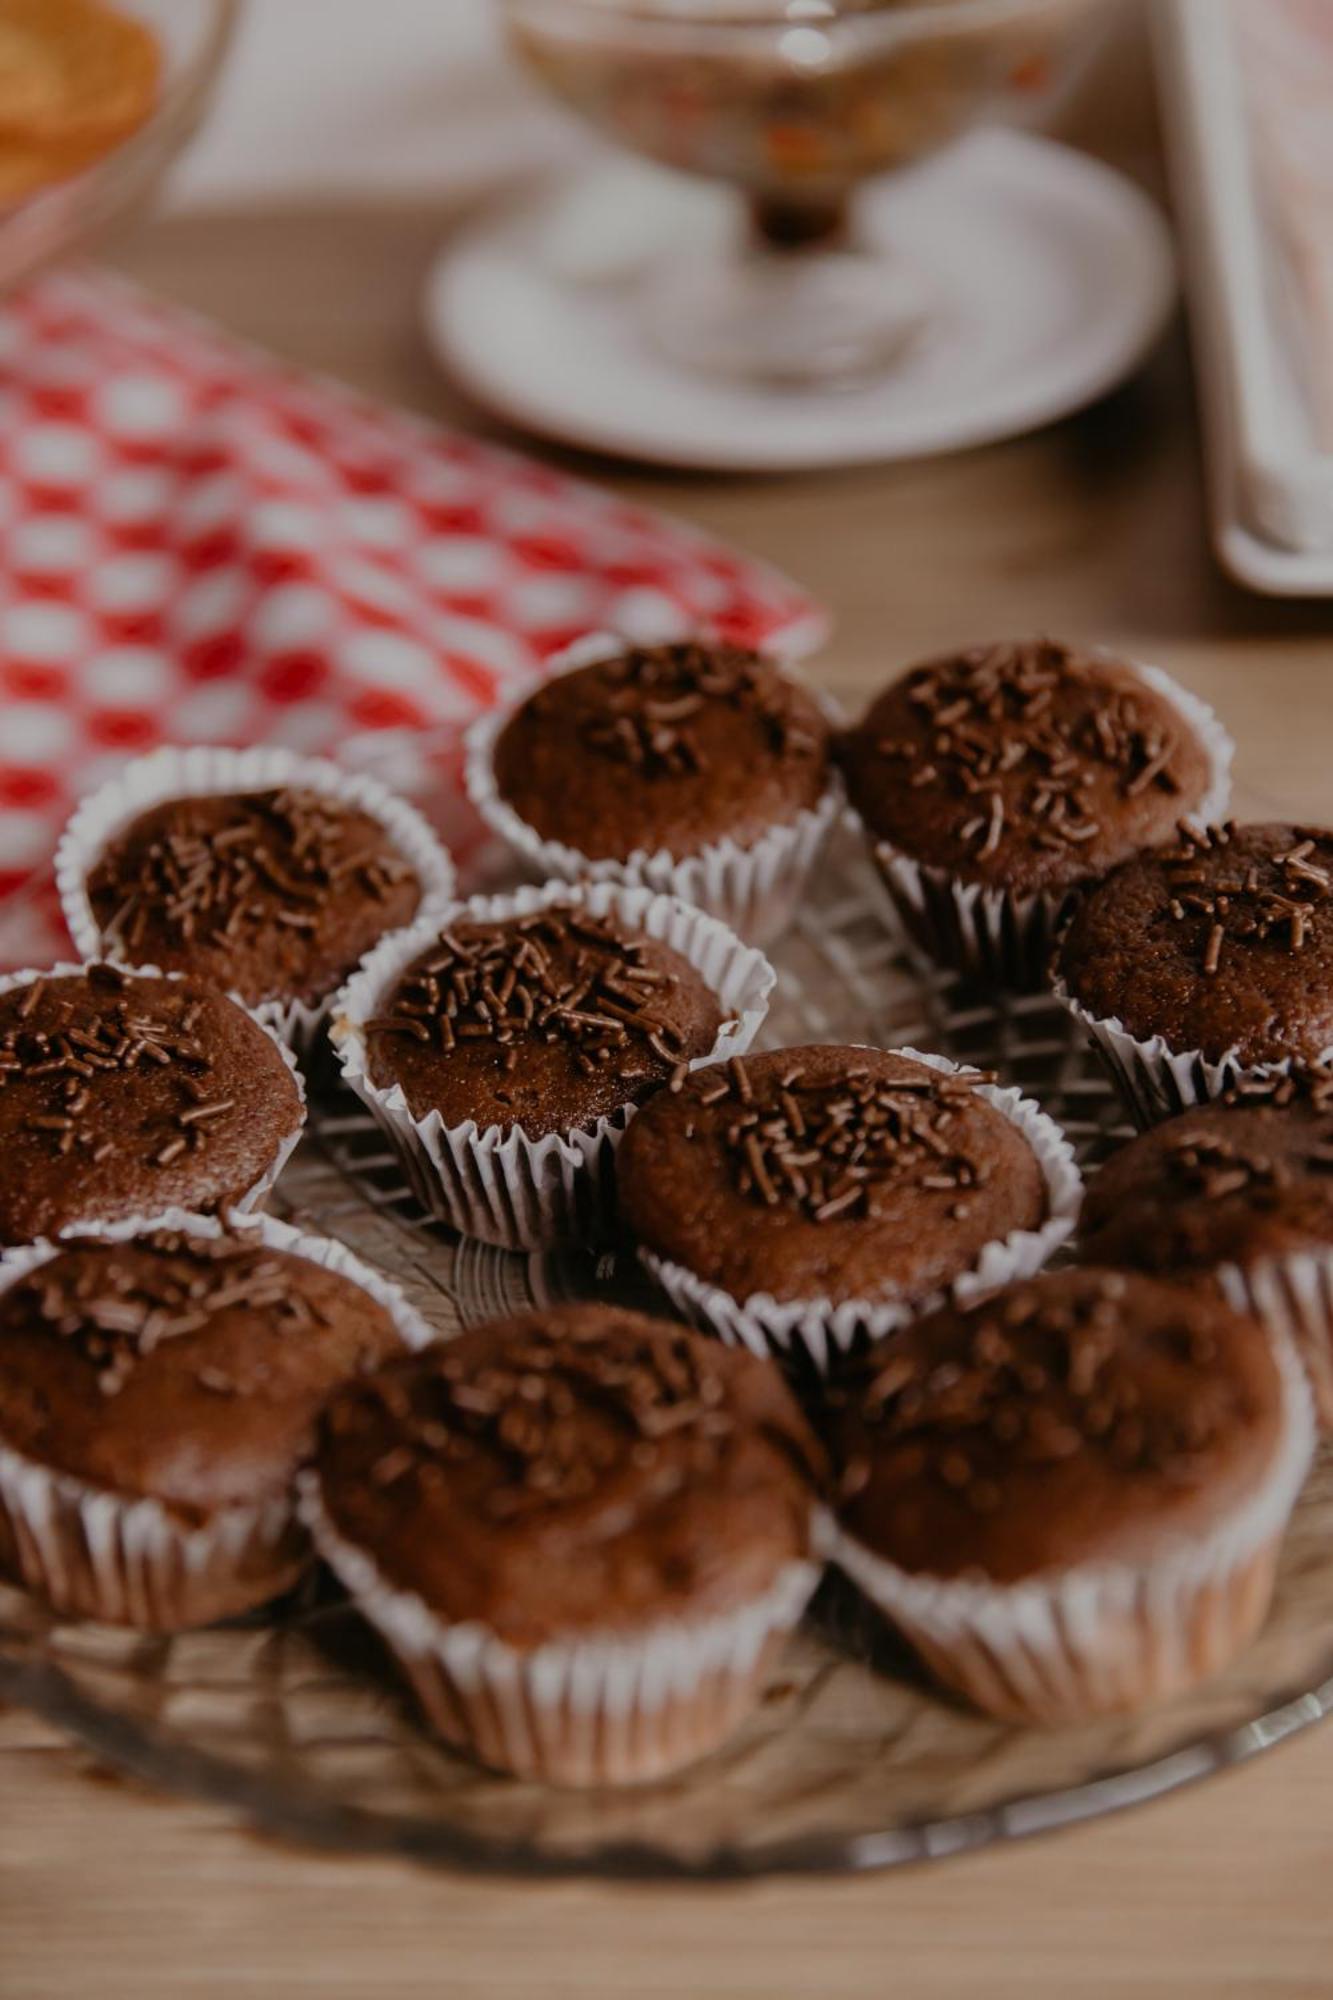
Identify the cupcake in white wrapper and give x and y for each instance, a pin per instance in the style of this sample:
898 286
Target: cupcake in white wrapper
196 1103
980 887
752 867
521 1189
1185 996
453 1497
1081 1509
1236 1194
235 958
91 1548
681 1197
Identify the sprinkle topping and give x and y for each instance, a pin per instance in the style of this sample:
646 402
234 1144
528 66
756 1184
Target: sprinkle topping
995 734
1231 892
553 1411
1303 1085
280 857
1045 1373
115 1309
557 975
69 1042
832 1148
658 691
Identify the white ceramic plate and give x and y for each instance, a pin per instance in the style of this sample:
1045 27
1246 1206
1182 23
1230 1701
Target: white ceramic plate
1053 274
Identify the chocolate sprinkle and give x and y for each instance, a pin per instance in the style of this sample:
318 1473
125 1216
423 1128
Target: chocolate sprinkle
555 975
1270 900
279 862
659 690
114 1316
72 1048
518 1410
831 1149
996 740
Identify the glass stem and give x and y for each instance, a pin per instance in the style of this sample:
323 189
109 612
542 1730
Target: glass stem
786 223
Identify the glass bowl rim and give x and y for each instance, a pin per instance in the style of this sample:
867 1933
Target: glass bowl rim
913 19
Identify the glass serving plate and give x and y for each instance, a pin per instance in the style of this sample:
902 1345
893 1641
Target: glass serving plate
297 1721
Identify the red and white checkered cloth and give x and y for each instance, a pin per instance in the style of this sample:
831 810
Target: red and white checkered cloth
201 544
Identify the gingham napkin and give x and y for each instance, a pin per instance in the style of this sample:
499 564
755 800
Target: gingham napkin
200 544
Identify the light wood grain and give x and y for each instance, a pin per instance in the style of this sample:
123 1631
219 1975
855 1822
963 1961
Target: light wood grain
1093 529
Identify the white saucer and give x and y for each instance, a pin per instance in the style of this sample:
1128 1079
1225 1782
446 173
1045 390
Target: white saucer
1055 274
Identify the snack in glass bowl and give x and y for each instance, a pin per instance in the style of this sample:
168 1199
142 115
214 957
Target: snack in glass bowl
795 103
96 99
76 78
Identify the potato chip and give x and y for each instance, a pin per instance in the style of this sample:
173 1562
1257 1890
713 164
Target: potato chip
75 77
26 170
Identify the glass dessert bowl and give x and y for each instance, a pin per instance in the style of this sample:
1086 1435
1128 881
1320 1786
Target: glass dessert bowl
795 104
74 155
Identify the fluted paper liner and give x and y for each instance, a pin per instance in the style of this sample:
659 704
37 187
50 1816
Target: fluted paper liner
1292 1295
1097 1638
822 1331
1155 1080
253 1197
1006 935
754 889
203 771
619 1707
504 1187
123 1560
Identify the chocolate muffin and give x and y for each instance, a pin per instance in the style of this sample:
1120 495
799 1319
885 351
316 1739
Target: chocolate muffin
1239 1192
1069 1496
1247 1177
165 1388
122 1094
505 1055
664 747
993 782
543 1512
274 895
824 1178
698 769
1205 958
547 1021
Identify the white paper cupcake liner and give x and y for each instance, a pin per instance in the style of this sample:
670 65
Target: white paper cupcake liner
253 1197
90 1553
1102 1637
506 1188
622 1707
201 771
755 890
820 1332
1292 1295
1003 936
1155 1080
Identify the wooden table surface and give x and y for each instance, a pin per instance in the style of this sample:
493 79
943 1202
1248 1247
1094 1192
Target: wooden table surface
1093 529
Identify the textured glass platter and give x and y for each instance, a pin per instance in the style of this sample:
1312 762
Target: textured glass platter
297 1720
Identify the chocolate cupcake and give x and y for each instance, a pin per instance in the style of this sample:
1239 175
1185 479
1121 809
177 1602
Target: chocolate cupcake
1238 1193
268 874
127 1093
1205 962
1069 1497
697 769
807 1200
584 1533
992 783
505 1051
159 1386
